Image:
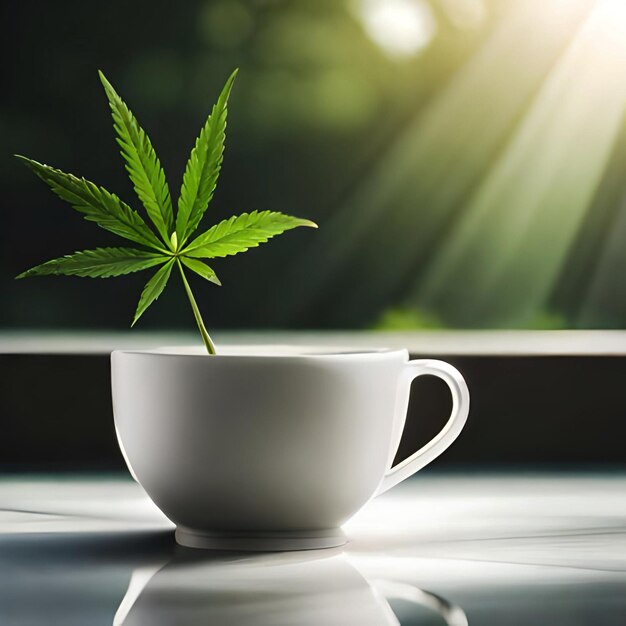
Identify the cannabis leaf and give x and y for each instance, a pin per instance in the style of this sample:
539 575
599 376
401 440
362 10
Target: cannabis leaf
168 246
239 233
203 167
153 289
98 263
142 164
97 204
200 268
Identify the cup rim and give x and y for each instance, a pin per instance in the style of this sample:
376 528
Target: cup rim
268 351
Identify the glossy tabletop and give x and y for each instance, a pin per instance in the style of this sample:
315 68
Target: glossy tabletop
439 549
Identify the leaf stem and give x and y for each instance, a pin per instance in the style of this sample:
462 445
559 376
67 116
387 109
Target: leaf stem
210 346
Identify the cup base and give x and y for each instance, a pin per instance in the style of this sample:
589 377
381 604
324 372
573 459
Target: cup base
260 541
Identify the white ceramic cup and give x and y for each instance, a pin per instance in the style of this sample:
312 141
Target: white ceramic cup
270 450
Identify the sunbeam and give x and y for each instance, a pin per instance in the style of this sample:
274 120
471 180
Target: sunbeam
421 182
603 304
501 260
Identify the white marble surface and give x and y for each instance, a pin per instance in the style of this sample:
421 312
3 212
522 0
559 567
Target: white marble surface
479 549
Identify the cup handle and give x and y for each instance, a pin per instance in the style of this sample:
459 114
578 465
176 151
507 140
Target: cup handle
460 409
452 614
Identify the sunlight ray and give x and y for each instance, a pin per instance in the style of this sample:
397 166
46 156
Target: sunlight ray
428 170
503 257
603 304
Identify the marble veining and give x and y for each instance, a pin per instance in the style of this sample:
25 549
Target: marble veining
439 549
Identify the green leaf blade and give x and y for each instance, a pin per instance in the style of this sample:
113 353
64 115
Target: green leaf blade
98 263
95 203
203 167
240 233
142 163
202 269
153 289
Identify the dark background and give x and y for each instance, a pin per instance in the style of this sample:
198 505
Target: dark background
326 123
526 413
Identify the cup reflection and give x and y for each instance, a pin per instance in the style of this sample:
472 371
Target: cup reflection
262 590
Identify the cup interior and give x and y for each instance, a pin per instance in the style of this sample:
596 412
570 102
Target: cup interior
268 351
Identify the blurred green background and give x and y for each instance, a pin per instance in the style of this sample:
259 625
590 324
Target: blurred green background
465 159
